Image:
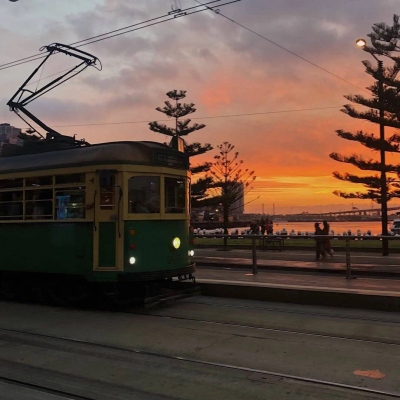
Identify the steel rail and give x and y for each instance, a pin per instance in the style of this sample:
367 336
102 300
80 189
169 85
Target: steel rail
317 314
214 364
44 389
280 330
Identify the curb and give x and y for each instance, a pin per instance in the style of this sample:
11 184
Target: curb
378 302
355 270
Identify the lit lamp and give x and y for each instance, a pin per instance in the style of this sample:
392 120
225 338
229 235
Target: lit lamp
361 42
385 248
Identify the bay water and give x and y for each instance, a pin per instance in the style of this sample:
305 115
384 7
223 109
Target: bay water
375 227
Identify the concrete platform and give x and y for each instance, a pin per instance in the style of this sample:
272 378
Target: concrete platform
293 278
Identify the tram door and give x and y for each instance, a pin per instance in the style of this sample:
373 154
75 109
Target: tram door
108 222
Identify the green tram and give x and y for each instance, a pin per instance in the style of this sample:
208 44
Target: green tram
111 216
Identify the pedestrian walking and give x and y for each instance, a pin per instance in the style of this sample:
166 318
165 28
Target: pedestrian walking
327 247
319 249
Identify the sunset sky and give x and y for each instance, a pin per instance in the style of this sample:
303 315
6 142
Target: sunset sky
267 76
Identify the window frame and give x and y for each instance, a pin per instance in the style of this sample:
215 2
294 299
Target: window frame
31 193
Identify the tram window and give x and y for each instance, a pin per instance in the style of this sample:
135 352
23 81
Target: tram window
39 204
39 181
144 194
70 178
70 204
107 199
39 209
175 195
188 194
11 183
39 194
11 206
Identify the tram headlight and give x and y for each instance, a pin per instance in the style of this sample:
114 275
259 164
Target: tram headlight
132 260
191 253
176 243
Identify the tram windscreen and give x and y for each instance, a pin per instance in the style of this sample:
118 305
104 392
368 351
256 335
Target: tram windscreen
144 194
175 195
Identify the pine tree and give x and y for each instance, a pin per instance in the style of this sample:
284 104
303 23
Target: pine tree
384 110
231 181
178 110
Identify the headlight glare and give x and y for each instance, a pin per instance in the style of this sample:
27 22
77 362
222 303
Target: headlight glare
176 243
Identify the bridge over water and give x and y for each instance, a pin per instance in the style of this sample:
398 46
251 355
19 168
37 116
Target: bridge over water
354 214
357 211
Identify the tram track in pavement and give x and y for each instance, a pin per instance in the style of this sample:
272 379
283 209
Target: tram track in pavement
296 312
264 373
40 389
278 330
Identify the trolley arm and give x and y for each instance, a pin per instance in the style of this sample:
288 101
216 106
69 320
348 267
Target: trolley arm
21 102
51 134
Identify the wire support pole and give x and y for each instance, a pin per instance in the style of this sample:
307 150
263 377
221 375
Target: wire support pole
384 196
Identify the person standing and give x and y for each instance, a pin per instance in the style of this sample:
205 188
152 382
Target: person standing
319 249
262 226
327 247
270 227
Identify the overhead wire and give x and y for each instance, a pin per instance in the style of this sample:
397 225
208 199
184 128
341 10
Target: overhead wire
171 16
204 117
282 47
163 18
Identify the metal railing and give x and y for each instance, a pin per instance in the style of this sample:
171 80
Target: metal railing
254 238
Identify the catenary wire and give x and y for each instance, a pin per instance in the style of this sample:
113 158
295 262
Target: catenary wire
206 117
167 17
282 47
149 20
156 23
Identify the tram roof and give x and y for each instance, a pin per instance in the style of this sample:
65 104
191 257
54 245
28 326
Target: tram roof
141 152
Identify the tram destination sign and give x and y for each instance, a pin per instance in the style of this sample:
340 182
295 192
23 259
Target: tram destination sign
173 160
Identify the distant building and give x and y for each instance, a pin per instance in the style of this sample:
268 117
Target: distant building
238 206
9 134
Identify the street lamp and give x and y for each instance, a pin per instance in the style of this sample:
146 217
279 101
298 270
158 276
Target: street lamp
385 245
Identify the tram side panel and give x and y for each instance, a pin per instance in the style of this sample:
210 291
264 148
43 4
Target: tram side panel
63 248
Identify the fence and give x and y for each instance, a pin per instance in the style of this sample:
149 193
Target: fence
277 243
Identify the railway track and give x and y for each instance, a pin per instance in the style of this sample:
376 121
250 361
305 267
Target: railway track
297 312
30 390
264 374
278 330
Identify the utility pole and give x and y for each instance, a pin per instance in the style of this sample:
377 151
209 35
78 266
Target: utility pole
383 181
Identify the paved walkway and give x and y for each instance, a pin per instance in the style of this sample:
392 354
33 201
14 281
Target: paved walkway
293 276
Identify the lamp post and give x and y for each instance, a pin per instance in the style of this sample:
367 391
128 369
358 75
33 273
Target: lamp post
384 200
